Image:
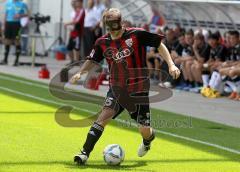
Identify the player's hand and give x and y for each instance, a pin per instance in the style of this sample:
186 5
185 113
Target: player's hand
174 71
75 78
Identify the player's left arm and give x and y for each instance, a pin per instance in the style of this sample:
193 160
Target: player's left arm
173 70
154 40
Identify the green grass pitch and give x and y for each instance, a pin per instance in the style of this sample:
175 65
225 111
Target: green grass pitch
31 140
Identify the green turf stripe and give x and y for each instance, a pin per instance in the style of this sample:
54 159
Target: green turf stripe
202 129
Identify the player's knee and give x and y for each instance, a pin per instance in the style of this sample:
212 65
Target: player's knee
105 116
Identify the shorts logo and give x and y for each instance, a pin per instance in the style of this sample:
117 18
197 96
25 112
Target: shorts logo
109 101
129 42
92 53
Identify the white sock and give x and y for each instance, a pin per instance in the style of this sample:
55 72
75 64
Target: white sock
217 82
212 80
205 79
232 85
238 86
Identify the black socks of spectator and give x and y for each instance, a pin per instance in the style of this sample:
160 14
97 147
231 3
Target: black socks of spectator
7 49
93 136
190 83
18 52
199 84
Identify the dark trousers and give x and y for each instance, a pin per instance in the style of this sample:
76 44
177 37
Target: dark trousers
88 40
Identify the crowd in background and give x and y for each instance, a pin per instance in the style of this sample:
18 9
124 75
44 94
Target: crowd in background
210 62
86 27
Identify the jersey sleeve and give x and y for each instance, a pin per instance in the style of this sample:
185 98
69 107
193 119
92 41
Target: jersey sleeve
96 53
149 39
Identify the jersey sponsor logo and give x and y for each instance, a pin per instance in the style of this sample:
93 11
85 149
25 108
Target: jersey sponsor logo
118 55
129 42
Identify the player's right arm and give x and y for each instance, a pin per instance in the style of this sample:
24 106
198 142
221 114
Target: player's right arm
95 56
87 66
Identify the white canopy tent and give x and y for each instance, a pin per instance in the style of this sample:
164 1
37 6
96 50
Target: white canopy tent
210 14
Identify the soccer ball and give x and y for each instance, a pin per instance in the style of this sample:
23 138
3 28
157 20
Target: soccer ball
113 154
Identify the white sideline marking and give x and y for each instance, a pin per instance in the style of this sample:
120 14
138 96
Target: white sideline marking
122 121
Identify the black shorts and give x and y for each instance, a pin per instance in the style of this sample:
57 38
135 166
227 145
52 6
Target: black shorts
142 111
12 30
74 44
152 60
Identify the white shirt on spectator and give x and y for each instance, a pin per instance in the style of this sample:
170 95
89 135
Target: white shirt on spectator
91 18
100 8
72 15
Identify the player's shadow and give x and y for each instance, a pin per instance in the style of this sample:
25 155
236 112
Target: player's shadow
102 166
137 164
131 165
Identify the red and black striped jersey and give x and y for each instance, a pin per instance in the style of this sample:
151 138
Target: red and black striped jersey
78 27
126 56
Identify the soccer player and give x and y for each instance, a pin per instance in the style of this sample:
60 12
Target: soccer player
14 11
124 49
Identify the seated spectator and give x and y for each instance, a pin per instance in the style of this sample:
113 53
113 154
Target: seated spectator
178 49
227 39
154 64
231 67
175 53
227 72
201 55
218 54
186 60
170 42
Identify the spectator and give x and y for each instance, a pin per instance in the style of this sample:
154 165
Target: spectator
1 33
99 7
90 23
14 11
231 67
178 49
25 31
176 53
154 64
171 40
186 60
156 20
178 30
201 55
77 22
227 39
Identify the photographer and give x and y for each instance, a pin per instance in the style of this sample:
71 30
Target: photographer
14 11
